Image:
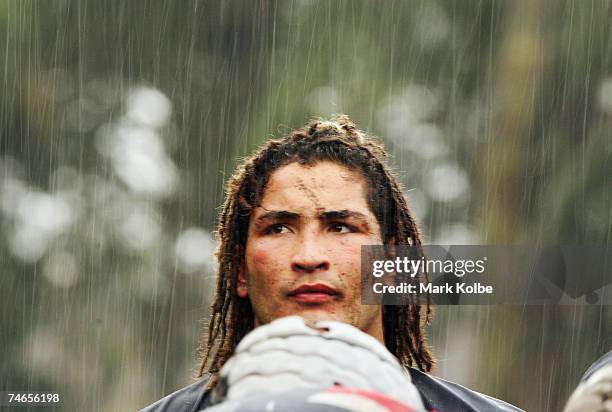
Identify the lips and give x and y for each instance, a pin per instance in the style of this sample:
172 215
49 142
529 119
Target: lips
313 293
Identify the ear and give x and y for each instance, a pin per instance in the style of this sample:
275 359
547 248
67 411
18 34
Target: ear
241 288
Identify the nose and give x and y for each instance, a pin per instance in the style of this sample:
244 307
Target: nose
310 255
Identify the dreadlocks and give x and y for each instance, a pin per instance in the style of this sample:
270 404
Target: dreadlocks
337 140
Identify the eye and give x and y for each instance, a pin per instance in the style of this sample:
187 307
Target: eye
277 228
341 228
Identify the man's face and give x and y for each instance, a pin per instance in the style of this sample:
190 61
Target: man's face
304 244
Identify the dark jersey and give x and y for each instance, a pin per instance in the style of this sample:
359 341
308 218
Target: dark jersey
437 394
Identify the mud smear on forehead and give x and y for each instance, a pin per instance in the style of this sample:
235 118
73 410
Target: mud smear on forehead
347 176
310 194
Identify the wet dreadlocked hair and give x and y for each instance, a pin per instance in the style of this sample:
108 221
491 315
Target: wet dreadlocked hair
337 140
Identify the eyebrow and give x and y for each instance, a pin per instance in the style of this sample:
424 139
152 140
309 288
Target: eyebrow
342 214
273 215
278 215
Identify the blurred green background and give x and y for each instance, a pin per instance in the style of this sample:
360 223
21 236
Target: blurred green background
120 121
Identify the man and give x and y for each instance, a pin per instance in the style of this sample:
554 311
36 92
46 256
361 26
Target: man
291 230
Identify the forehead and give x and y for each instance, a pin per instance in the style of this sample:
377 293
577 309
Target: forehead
322 186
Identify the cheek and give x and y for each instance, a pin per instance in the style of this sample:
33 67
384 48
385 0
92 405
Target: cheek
346 252
348 265
261 256
264 260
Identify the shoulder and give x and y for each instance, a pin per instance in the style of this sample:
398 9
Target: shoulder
442 395
599 363
187 399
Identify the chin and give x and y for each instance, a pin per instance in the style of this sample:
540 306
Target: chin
316 315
